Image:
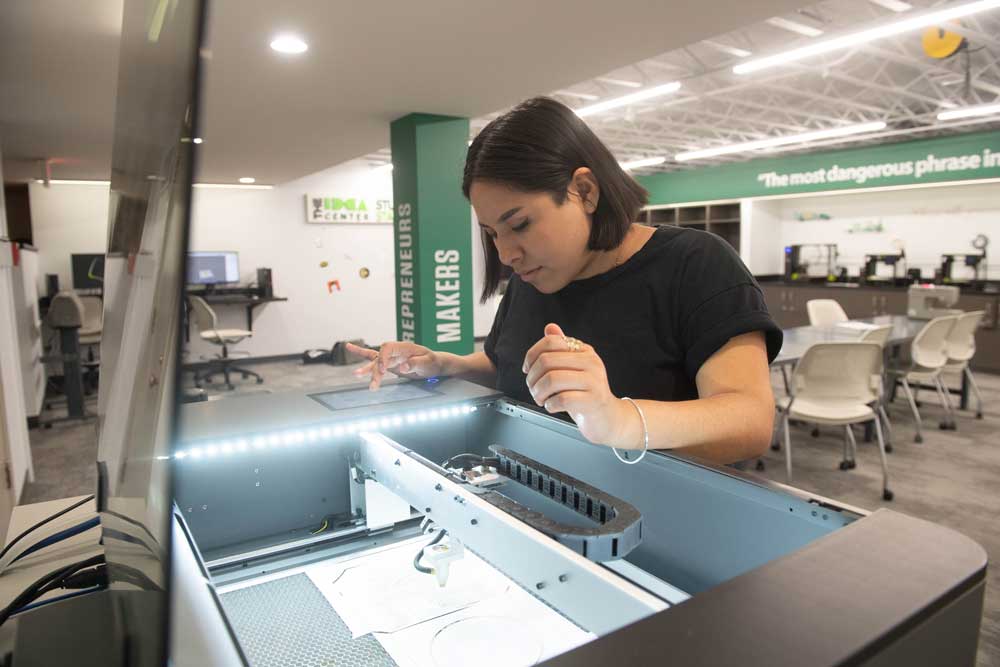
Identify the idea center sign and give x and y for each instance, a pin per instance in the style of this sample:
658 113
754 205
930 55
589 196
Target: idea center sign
351 210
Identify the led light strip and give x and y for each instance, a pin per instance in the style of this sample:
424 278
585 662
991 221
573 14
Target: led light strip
970 112
644 162
625 100
315 434
926 20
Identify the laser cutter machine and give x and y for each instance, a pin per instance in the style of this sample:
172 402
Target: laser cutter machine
438 523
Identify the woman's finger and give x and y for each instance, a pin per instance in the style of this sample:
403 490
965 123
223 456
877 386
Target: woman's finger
557 381
549 343
552 361
573 402
362 351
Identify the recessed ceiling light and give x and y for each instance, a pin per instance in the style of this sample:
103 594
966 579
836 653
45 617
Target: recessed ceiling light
289 44
247 180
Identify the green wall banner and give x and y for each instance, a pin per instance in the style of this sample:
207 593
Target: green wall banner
957 158
433 232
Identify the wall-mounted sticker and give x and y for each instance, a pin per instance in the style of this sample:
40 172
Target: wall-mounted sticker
347 210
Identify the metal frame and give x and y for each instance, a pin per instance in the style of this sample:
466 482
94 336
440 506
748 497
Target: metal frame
586 593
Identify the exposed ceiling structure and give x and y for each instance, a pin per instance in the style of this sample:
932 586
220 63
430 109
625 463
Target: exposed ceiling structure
890 80
278 117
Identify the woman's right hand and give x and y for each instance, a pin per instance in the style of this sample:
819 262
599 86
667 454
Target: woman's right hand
402 358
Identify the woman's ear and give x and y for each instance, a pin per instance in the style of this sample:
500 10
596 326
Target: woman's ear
584 185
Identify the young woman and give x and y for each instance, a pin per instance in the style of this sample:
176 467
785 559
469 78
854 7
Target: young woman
645 338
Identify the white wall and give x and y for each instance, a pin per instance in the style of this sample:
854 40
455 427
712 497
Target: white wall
67 219
929 221
268 228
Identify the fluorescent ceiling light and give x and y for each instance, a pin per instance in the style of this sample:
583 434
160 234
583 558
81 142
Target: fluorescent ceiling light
625 100
645 162
64 181
780 141
928 19
969 112
197 140
794 26
582 96
247 180
619 82
893 5
725 48
289 44
232 186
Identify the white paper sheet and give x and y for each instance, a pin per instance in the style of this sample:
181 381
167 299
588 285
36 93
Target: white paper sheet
384 593
507 630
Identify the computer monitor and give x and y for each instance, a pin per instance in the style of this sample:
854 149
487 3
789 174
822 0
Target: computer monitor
88 271
212 268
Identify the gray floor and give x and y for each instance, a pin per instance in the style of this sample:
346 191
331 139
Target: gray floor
951 479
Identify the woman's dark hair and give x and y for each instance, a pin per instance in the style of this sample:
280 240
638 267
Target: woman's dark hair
536 147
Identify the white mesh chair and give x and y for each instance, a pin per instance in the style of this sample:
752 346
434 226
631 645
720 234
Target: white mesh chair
825 312
927 358
207 323
961 347
838 384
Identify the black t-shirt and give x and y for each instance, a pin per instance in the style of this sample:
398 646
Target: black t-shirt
654 320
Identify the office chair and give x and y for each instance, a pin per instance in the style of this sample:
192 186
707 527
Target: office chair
839 384
208 326
90 337
961 347
927 358
825 312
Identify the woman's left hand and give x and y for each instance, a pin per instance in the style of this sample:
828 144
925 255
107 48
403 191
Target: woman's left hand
566 375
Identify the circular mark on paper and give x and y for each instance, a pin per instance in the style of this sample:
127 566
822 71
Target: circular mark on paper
324 264
364 272
486 641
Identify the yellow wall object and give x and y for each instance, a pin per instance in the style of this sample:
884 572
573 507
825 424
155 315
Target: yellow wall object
940 43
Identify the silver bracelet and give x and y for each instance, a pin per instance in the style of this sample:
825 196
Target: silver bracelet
645 435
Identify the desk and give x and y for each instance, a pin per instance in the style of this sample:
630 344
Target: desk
798 339
248 300
904 329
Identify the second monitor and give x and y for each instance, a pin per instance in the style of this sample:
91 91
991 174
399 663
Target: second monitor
212 268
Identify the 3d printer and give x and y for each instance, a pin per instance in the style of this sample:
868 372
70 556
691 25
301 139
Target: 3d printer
976 262
820 265
869 271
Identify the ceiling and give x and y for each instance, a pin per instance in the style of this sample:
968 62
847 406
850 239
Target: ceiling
277 118
888 80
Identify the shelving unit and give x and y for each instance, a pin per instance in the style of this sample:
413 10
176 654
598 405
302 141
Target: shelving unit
722 219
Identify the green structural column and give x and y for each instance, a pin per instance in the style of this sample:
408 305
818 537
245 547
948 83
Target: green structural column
433 232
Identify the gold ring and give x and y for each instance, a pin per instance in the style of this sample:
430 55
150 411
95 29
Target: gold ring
573 344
